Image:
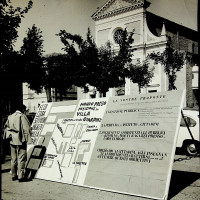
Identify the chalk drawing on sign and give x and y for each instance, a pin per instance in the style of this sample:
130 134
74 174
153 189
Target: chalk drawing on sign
51 119
66 160
78 130
47 163
47 128
69 130
76 174
84 126
81 150
62 148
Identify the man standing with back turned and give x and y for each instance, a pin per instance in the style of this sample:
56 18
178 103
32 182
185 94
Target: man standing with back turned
18 129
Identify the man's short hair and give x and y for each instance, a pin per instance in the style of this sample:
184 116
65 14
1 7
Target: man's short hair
21 107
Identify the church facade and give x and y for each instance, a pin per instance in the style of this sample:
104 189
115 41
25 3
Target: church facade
151 34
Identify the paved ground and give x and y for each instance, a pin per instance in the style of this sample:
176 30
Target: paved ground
185 184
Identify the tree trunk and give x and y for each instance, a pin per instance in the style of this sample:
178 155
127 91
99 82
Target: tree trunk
61 97
48 93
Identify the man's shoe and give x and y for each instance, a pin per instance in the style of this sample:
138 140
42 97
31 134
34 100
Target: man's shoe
22 180
14 178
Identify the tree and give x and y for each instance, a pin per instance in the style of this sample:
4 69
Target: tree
112 65
32 53
82 57
10 19
103 67
99 67
10 70
104 77
140 73
59 73
172 60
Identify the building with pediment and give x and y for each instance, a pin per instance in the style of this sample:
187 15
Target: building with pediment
152 33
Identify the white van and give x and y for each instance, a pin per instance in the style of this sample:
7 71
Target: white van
185 141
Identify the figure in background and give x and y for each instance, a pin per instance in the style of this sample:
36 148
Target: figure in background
18 130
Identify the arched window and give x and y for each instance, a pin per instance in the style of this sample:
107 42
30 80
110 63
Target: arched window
118 36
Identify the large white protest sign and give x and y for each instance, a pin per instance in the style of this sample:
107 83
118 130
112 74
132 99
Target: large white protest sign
123 144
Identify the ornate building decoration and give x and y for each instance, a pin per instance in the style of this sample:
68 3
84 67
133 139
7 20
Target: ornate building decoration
118 36
114 7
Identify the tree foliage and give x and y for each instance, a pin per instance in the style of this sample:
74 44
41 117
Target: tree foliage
10 19
112 65
82 57
59 73
102 67
140 73
32 54
10 69
83 64
172 60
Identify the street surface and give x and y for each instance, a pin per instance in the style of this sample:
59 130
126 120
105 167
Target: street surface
185 185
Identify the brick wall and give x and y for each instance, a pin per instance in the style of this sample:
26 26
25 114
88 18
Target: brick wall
183 39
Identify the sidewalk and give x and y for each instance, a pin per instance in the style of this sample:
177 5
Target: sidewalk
184 185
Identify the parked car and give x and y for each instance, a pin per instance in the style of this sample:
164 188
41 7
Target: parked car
189 145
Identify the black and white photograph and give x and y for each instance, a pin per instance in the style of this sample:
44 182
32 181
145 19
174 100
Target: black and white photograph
99 100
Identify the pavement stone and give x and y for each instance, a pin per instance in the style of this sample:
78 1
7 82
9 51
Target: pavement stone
185 185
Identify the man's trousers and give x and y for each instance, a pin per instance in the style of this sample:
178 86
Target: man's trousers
18 160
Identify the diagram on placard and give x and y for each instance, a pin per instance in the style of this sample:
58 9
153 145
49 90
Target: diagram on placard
70 142
68 149
46 119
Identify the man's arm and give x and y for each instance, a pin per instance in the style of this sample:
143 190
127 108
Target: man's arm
5 130
26 128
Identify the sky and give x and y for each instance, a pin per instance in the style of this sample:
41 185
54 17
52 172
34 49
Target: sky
74 16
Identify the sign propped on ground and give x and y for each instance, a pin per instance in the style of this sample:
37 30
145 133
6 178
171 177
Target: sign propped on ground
123 144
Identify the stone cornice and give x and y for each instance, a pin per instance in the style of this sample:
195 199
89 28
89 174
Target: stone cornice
119 6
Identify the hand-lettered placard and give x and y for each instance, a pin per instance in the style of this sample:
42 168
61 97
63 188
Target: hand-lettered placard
123 144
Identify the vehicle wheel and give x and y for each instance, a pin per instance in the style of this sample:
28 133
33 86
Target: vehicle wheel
191 148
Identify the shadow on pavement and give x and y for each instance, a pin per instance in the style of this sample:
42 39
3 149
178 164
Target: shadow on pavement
181 180
5 170
179 151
